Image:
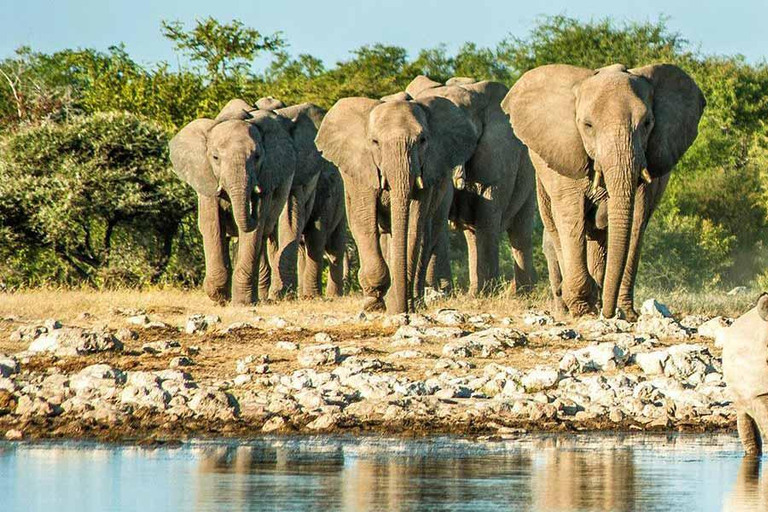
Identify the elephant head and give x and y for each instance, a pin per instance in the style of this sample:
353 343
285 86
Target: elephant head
237 156
613 126
401 146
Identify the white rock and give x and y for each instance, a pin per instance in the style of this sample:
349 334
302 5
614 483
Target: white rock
323 422
652 307
539 379
287 345
323 337
652 363
449 317
72 341
274 423
538 318
8 366
407 354
737 291
319 355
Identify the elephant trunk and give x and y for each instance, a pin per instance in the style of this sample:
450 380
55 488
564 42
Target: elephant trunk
239 191
621 179
397 169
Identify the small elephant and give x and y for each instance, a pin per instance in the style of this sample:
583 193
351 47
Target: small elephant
324 234
241 165
603 143
745 370
278 272
395 156
495 188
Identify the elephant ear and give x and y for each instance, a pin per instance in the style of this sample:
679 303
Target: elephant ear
235 109
452 138
542 110
343 140
420 84
678 104
189 157
279 160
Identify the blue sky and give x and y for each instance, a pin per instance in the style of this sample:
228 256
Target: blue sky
330 28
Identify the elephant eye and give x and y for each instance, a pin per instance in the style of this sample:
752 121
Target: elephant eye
215 156
375 142
587 124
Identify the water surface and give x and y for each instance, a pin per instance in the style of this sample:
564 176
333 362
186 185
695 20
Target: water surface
542 472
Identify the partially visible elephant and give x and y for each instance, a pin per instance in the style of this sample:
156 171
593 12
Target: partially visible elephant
745 370
325 234
278 270
241 165
603 143
396 158
495 190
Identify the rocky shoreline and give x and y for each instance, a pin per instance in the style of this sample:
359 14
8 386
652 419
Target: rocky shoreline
444 371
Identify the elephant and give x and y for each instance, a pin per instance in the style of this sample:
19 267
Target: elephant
494 191
603 143
241 164
745 371
278 268
396 156
325 234
255 173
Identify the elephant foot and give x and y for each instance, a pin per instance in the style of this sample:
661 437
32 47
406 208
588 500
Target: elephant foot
580 308
629 312
374 304
218 294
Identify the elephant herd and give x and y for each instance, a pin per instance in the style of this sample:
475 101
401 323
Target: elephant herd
594 149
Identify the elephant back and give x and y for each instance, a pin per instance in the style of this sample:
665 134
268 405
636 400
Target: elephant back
305 120
745 356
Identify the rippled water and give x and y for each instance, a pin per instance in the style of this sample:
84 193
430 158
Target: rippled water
548 472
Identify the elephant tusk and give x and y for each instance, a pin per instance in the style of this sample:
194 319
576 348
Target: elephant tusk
382 182
257 189
645 175
219 190
595 182
419 182
459 178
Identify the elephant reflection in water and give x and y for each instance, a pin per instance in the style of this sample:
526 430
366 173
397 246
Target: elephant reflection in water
399 482
750 492
573 480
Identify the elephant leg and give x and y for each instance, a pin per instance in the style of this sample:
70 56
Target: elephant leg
520 236
568 214
336 250
302 263
646 199
439 267
373 274
551 247
244 290
265 271
421 243
758 411
314 245
748 433
216 248
487 234
597 252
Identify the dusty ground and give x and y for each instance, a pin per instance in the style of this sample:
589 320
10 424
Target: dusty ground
214 354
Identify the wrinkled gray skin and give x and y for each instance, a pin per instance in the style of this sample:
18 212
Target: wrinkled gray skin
278 272
248 167
494 191
325 235
396 158
745 370
603 143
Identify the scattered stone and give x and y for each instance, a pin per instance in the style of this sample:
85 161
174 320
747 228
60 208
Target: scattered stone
287 345
8 366
242 379
277 322
252 364
198 324
323 337
160 347
453 364
212 403
540 378
538 318
143 321
27 333
602 326
318 355
407 354
599 357
72 341
654 308
324 422
449 317
739 290
180 362
431 295
486 343
661 327
273 424
557 333
126 334
238 326
14 435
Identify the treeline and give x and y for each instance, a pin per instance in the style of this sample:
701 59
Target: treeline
87 194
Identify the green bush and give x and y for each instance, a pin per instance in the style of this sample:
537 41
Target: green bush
90 200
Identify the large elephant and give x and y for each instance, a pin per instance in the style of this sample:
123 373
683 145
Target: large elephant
325 234
495 189
745 370
603 143
395 156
